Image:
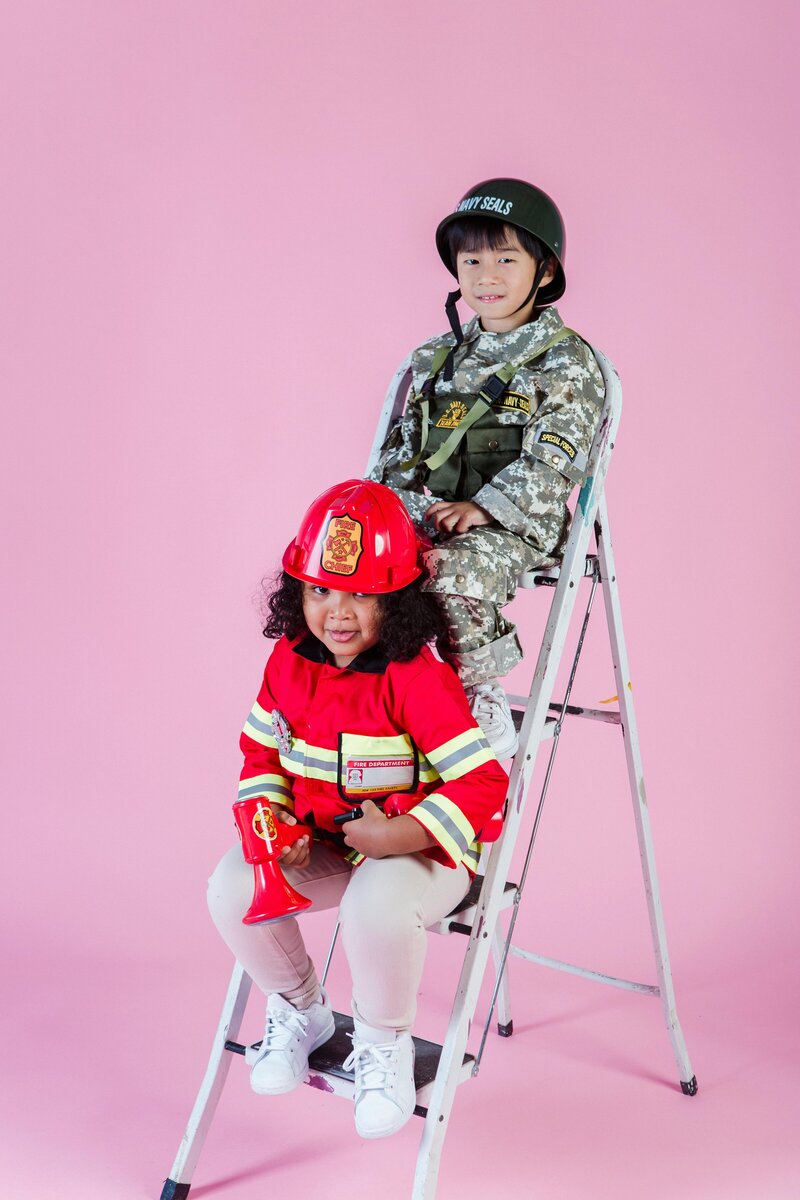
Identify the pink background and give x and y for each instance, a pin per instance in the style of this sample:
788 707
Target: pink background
217 243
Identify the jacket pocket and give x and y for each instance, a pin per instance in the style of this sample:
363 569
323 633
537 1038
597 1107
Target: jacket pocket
371 767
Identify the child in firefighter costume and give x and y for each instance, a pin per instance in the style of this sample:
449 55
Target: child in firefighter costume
497 428
355 708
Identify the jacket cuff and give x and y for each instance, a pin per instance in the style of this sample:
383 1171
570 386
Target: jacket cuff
446 824
502 509
274 789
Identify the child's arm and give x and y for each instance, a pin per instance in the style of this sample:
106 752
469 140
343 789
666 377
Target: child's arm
529 496
401 446
457 516
263 773
377 837
471 786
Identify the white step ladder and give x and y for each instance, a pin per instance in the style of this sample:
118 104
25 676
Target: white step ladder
440 1069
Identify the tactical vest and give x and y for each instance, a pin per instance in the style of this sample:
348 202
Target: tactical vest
463 442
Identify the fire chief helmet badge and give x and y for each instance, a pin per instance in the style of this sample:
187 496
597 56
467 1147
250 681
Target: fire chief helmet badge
342 545
356 537
281 731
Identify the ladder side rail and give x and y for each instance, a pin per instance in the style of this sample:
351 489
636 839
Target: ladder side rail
639 796
392 408
205 1105
489 902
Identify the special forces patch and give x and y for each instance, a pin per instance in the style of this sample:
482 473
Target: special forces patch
453 415
558 442
342 545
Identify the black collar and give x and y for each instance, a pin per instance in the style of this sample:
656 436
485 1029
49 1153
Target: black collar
371 662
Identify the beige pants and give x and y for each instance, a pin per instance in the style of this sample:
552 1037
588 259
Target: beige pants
385 906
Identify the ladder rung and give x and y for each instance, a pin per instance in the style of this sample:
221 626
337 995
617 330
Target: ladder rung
460 919
518 704
326 1072
517 715
550 575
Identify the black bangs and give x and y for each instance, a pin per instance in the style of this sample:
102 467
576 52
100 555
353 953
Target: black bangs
484 233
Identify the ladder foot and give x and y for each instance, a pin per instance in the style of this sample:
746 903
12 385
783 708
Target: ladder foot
174 1191
690 1088
505 1030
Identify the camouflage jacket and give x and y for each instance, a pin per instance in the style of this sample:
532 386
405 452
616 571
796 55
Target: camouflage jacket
557 399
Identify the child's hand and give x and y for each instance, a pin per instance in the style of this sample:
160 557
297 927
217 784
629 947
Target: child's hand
376 836
299 853
457 516
368 834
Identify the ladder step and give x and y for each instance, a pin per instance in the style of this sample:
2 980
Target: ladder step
518 714
460 919
612 717
327 1075
550 575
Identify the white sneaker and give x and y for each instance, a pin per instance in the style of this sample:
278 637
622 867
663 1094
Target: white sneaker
385 1095
290 1036
489 706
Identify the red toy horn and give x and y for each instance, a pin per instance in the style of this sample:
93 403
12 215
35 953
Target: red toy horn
263 838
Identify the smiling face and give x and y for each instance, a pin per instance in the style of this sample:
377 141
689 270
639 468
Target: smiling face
496 281
347 623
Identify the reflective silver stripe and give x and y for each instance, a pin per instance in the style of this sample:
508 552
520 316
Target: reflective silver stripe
472 856
445 820
259 725
321 764
458 756
295 756
260 789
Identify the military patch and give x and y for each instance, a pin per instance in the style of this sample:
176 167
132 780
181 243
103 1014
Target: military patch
342 545
453 415
558 442
513 402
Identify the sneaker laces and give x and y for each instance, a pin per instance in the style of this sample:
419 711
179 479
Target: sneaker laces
487 707
283 1026
375 1067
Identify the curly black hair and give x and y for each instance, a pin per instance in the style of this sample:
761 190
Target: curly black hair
410 618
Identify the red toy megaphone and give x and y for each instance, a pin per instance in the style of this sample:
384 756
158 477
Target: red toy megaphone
263 838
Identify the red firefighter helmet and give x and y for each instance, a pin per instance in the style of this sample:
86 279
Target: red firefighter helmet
356 537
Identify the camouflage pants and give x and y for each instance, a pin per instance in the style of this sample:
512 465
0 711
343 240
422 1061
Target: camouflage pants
475 574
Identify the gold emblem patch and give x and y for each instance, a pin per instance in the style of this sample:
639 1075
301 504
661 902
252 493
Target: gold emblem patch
342 545
453 415
264 824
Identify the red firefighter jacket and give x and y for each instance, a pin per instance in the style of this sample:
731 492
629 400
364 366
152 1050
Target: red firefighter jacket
320 739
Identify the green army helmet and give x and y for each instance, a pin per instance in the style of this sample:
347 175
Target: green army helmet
514 202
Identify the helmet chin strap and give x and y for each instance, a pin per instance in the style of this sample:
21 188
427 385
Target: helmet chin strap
537 279
455 324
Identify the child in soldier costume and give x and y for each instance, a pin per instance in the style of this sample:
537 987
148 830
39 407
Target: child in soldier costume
496 432
354 708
